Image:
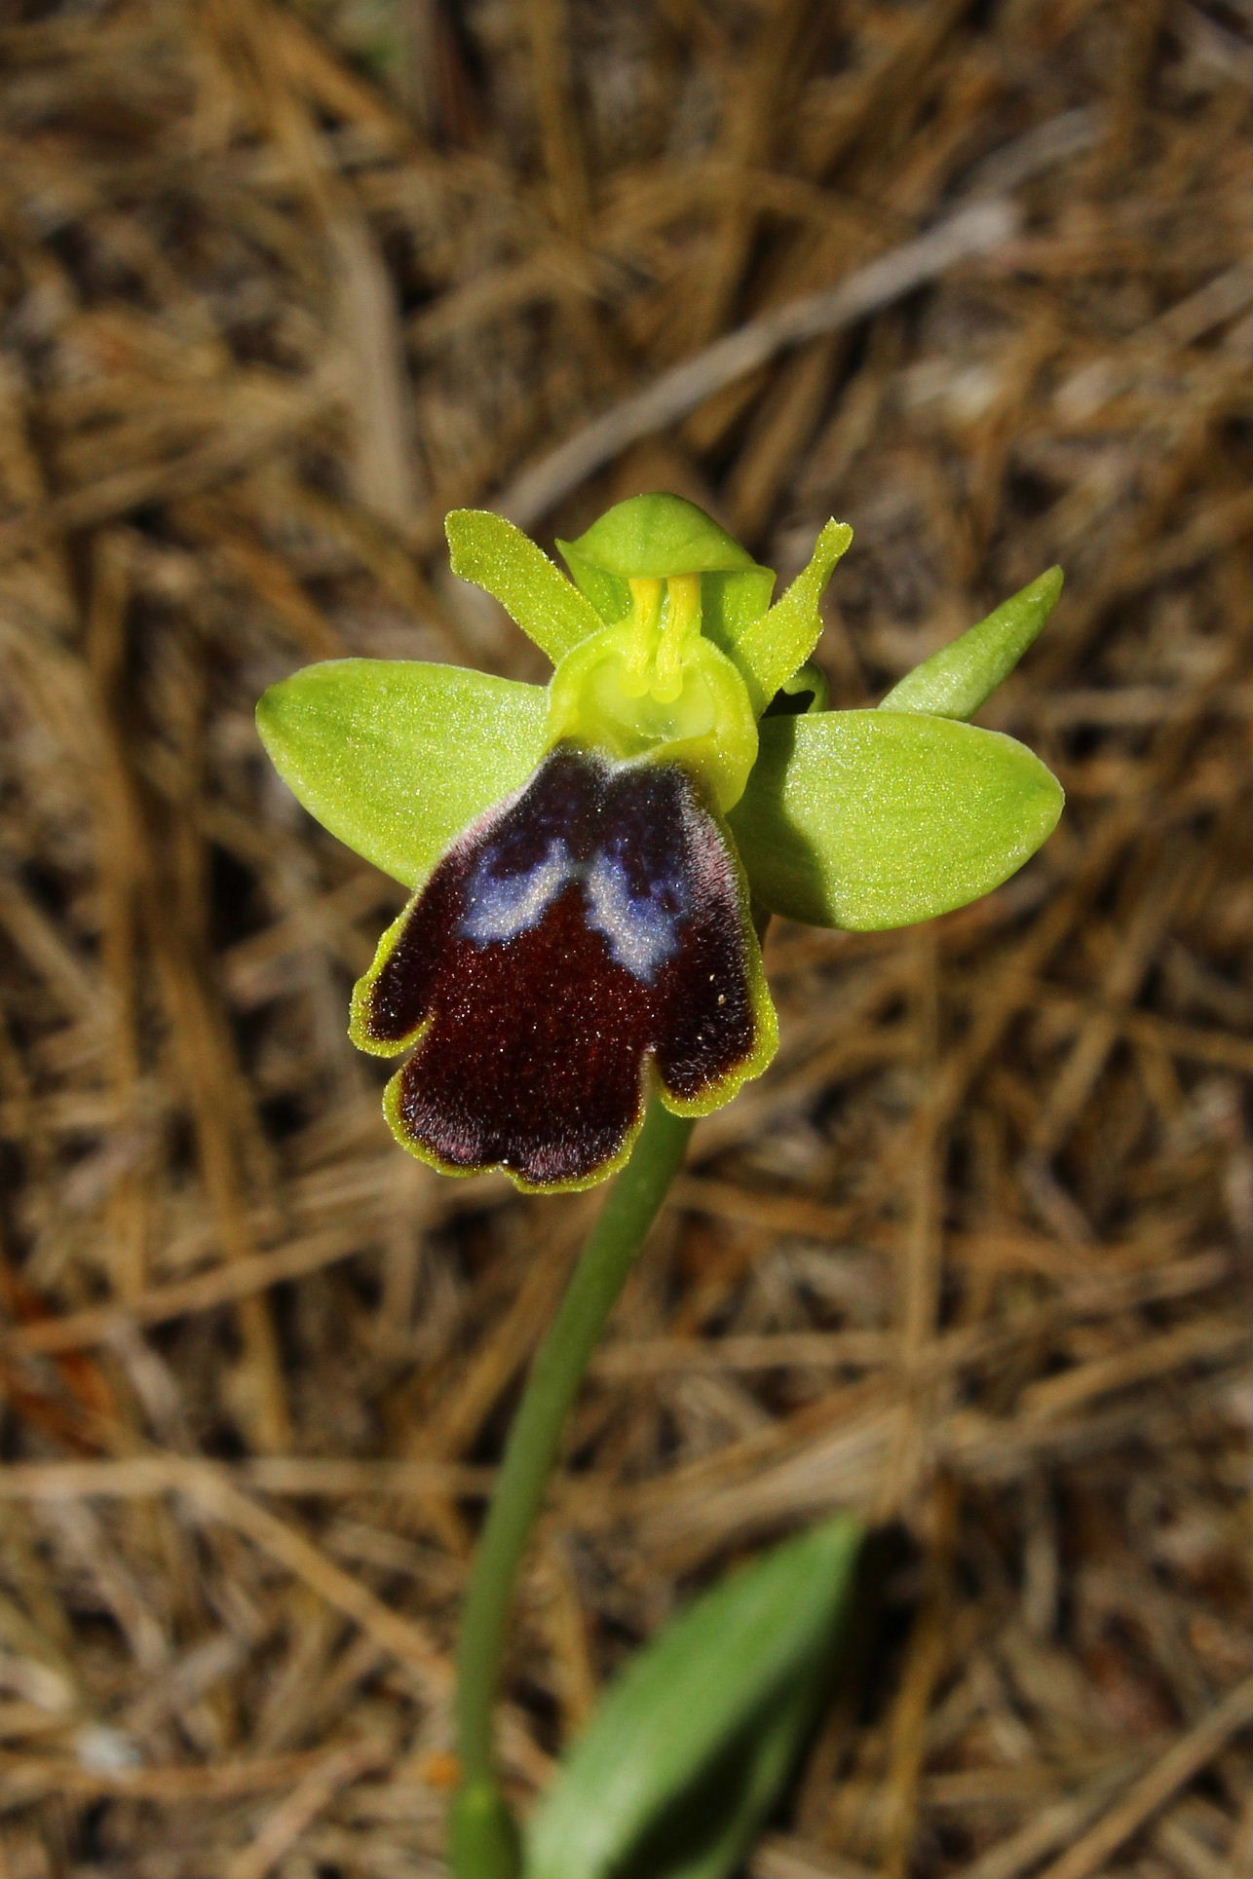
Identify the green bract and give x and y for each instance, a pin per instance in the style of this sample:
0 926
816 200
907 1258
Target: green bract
667 652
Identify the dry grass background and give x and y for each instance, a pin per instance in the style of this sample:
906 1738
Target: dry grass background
279 285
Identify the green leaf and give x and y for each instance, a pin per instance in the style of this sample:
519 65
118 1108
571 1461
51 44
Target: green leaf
775 645
871 819
395 757
498 557
688 1750
709 1830
955 681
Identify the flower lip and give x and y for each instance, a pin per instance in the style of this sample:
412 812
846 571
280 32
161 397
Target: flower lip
592 925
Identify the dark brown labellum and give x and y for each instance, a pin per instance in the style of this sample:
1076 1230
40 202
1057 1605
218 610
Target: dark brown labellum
589 924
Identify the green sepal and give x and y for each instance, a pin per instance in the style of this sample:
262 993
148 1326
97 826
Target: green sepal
732 602
687 1751
955 681
873 819
659 536
609 594
498 557
777 643
395 757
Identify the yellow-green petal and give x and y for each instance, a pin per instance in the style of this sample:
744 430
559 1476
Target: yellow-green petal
773 647
872 819
395 757
957 679
498 557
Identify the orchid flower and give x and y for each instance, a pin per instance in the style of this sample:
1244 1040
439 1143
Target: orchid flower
591 861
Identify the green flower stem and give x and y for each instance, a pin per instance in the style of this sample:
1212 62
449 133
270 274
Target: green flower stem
481 1848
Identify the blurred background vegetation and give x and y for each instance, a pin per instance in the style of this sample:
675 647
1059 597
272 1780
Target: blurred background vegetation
279 284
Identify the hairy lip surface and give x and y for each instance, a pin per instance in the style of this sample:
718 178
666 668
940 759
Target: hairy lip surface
586 926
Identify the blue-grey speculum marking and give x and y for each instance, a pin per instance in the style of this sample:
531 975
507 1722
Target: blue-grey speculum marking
639 918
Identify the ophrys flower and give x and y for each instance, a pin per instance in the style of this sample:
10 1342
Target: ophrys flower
587 857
